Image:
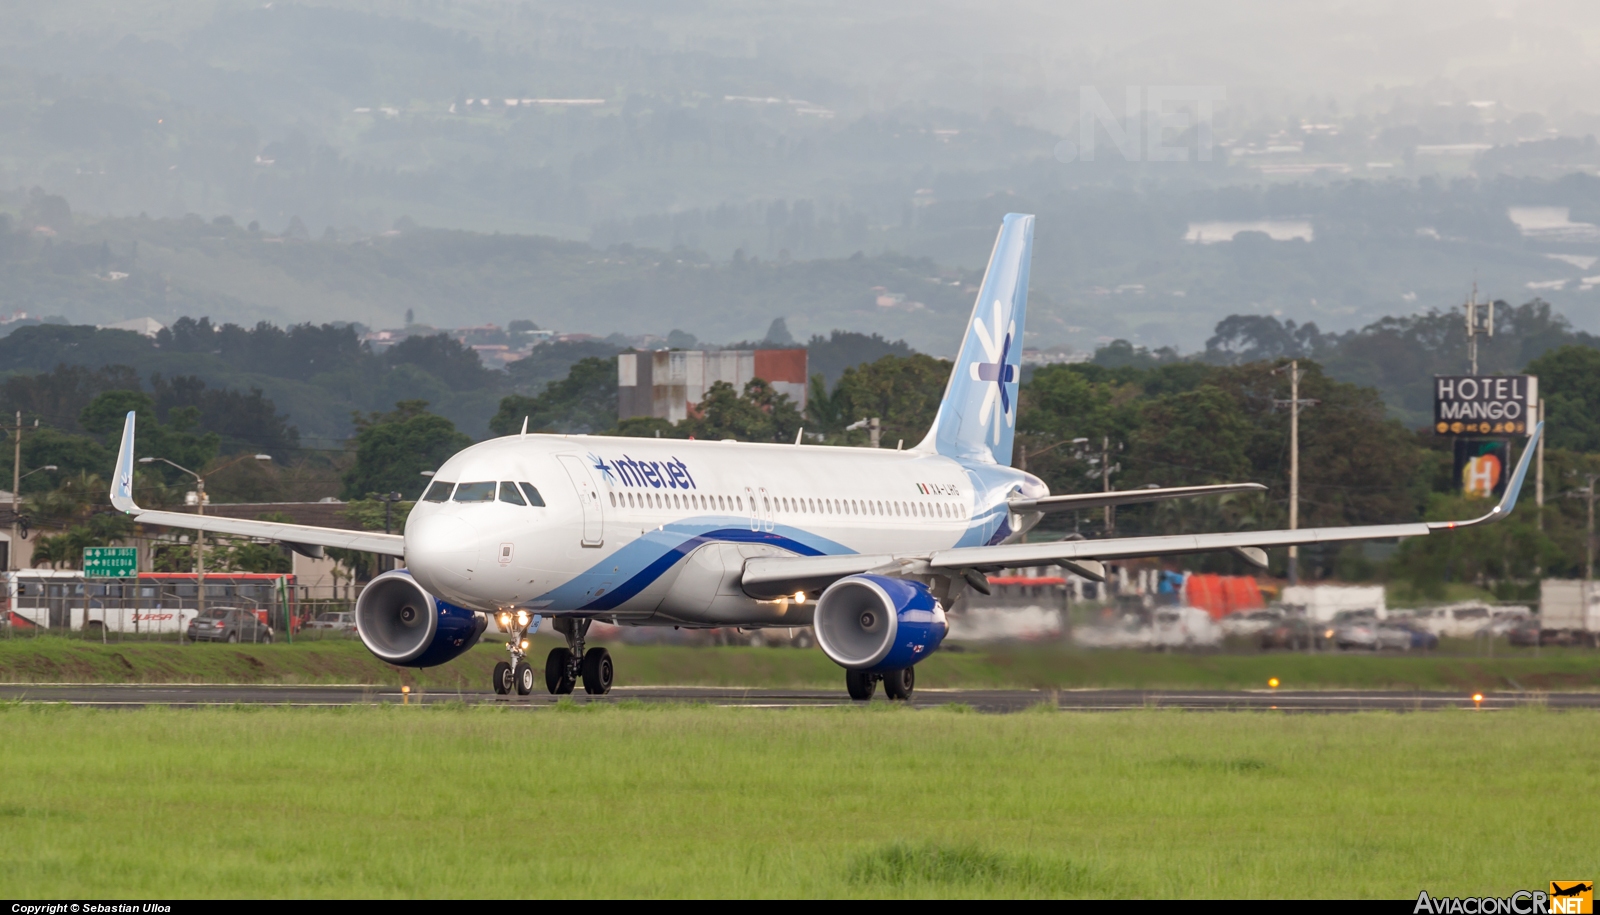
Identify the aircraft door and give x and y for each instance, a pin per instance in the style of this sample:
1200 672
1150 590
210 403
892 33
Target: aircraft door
755 509
594 532
766 509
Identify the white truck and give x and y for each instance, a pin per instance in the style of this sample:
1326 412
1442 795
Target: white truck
1569 612
1321 603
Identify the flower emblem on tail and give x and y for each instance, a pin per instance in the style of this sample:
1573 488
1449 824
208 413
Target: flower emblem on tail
998 369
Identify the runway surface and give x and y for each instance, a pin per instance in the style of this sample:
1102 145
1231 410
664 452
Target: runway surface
195 696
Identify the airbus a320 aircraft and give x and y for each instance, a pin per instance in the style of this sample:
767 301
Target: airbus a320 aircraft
871 547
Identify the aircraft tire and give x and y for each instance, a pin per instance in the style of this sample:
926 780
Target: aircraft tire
860 684
557 677
898 684
524 678
597 671
502 678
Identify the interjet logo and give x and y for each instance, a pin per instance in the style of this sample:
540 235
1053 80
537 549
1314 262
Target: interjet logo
673 474
997 347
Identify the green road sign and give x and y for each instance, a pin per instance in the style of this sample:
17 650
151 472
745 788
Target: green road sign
110 561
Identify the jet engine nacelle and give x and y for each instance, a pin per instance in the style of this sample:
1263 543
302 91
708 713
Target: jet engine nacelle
406 626
875 623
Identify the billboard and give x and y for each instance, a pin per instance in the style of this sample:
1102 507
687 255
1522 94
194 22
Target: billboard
1482 467
1485 405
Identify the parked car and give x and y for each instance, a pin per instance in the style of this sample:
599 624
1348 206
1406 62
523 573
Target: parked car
1245 623
1405 635
1458 621
1126 630
229 624
1504 619
1355 632
334 620
1525 634
1184 627
1293 632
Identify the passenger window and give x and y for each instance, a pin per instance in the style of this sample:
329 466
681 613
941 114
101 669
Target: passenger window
508 493
438 492
475 492
534 499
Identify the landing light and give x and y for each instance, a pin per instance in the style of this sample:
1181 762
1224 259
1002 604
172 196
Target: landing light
522 617
799 597
524 644
505 620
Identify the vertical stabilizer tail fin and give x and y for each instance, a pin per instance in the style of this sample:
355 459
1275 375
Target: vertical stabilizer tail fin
978 416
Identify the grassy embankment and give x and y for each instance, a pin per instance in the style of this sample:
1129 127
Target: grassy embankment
687 801
48 659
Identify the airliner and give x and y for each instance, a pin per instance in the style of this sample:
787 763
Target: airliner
873 548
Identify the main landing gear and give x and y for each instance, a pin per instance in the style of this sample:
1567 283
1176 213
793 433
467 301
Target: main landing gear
564 667
897 684
517 674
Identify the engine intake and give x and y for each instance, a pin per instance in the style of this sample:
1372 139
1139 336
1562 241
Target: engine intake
875 623
403 624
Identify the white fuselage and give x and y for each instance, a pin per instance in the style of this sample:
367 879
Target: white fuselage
655 531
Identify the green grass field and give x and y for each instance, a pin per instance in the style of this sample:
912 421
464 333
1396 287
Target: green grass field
55 660
696 801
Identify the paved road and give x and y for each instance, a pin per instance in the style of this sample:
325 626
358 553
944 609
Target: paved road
117 696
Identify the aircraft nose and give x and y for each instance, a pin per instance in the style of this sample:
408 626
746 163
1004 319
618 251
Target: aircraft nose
441 550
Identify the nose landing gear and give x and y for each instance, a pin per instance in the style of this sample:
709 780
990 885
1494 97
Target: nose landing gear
516 674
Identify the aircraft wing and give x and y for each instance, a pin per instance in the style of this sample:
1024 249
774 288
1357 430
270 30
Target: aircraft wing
771 577
1126 497
304 537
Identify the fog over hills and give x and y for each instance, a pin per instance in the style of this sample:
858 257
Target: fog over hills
1378 158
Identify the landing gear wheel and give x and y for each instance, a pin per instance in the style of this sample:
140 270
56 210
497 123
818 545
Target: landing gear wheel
558 672
860 684
597 672
898 684
524 678
502 678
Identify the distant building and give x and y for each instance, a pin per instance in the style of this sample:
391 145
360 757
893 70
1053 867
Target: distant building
146 326
665 384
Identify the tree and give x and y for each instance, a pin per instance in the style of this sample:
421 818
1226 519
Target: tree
1569 378
392 449
80 505
902 391
759 415
583 402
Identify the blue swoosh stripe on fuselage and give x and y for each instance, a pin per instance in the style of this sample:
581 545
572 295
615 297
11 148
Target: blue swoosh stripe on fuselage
646 559
645 577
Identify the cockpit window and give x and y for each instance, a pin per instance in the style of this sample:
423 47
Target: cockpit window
534 499
508 493
438 492
475 492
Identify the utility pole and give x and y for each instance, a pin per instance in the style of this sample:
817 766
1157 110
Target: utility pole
199 558
200 536
1538 491
1588 561
16 496
1480 320
1105 483
1294 403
